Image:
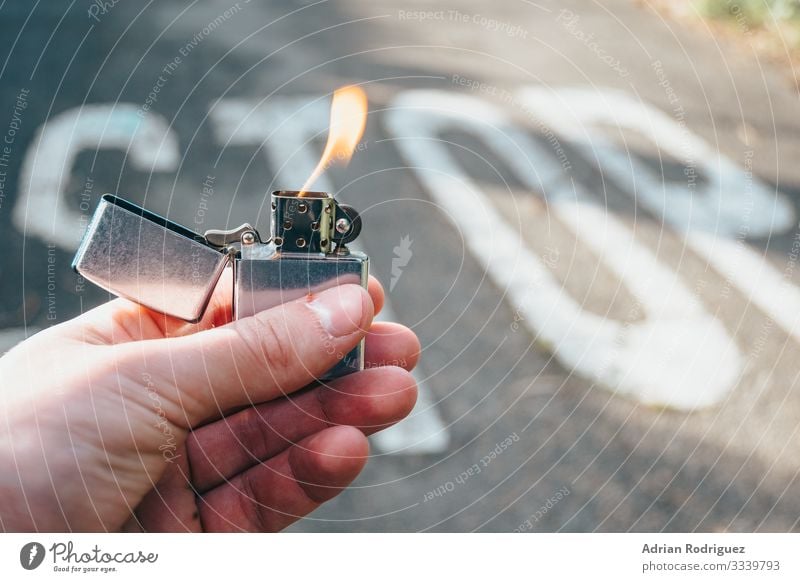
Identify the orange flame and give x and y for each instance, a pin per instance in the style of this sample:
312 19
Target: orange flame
348 118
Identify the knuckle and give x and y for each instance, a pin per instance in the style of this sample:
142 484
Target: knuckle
252 506
272 347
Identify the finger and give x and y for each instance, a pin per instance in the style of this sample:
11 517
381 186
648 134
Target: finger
376 292
272 495
254 359
391 344
171 505
120 320
220 309
370 400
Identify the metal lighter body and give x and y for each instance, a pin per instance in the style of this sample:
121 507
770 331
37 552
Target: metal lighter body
134 253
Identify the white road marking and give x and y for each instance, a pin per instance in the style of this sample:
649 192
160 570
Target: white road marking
285 127
757 280
679 356
41 210
700 362
715 218
716 205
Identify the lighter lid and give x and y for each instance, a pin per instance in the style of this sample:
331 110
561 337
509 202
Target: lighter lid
136 254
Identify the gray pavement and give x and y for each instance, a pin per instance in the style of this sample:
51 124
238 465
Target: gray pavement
602 205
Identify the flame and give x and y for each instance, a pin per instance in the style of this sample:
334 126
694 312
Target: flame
348 118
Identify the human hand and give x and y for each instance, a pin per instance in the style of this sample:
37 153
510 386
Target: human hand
125 419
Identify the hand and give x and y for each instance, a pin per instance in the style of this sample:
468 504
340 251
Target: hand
125 419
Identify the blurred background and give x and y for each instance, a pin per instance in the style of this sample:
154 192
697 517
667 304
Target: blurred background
586 210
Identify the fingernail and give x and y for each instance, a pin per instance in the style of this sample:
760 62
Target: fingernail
340 310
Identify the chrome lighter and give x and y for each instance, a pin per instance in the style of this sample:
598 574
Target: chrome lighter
139 255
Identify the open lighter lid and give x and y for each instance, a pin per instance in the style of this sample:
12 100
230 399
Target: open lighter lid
139 255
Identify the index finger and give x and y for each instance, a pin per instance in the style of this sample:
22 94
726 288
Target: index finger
120 320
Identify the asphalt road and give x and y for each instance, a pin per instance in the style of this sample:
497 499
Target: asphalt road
587 212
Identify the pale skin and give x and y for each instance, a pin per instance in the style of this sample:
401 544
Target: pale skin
127 420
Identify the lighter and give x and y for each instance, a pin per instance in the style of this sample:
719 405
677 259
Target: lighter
136 254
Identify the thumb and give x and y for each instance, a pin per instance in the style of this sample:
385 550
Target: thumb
255 359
